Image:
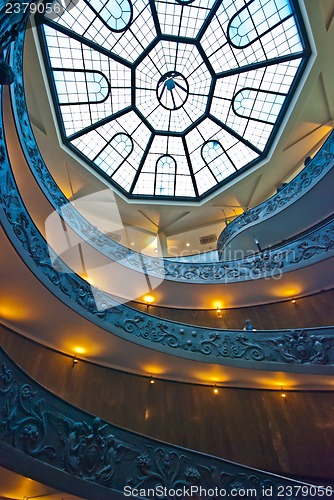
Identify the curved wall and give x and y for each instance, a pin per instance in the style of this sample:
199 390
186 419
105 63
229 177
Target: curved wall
253 427
307 312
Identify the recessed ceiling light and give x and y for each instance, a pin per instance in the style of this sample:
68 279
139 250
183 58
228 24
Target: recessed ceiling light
149 299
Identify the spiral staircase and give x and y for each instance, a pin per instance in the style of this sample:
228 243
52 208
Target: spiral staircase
71 291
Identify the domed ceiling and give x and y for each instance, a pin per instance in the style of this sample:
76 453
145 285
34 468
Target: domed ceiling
171 99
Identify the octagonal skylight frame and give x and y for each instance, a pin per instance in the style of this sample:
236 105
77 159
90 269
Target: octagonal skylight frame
229 68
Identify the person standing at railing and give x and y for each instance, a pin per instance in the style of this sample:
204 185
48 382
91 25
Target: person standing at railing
248 326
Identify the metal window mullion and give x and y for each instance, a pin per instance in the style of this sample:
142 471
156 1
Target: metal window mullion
192 175
155 17
85 41
260 64
141 164
235 134
100 123
208 20
86 83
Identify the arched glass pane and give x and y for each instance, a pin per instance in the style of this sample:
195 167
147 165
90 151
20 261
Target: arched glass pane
115 153
255 19
116 14
166 165
81 87
258 104
211 150
165 176
217 160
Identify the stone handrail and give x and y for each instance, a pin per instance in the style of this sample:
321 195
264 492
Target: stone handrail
102 459
271 263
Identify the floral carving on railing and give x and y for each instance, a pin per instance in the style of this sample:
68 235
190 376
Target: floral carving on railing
314 245
163 469
22 419
42 426
233 348
268 263
208 343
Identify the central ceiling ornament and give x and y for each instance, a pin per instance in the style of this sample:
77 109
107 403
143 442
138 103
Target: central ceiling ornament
170 100
173 98
172 90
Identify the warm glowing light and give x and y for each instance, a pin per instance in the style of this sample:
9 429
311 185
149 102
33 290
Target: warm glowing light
149 299
218 304
187 244
293 301
215 390
85 277
147 414
283 395
288 291
152 381
10 309
153 370
81 343
219 312
79 350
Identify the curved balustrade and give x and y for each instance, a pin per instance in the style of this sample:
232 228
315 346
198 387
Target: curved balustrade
102 459
311 174
284 258
312 347
278 350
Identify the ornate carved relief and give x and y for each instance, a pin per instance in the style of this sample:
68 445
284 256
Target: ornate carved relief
42 426
300 347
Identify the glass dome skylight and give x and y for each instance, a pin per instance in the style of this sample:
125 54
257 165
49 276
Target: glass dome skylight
170 98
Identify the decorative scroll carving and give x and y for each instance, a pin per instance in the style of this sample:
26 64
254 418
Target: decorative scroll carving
314 245
22 419
40 425
227 347
163 469
245 482
150 329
